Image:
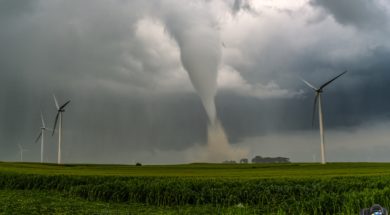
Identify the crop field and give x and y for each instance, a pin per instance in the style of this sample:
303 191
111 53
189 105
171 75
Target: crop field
298 188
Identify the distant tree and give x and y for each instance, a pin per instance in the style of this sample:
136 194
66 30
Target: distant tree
259 159
282 160
230 161
138 164
244 160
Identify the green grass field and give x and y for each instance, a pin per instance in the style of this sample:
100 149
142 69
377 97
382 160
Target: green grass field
335 188
295 170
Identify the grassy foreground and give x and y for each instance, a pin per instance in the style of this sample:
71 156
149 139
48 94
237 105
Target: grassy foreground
49 202
340 188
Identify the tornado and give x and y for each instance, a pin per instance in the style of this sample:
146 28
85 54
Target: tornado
199 43
200 55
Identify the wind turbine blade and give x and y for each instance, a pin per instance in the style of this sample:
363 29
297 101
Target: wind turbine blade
308 84
20 147
314 109
56 102
39 136
63 106
55 123
331 80
43 121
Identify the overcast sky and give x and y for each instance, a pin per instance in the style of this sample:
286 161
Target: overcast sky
120 62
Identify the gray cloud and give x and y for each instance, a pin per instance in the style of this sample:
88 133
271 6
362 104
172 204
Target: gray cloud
242 5
372 15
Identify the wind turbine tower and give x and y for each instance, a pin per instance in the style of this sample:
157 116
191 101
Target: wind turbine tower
317 101
21 150
41 136
60 110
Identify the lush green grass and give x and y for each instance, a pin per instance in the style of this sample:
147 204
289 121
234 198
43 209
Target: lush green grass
50 202
340 188
295 170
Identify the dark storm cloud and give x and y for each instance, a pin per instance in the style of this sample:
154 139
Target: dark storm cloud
285 56
244 5
131 96
371 15
13 9
100 57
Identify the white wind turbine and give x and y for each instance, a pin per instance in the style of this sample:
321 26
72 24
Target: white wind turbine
60 110
41 136
21 150
317 100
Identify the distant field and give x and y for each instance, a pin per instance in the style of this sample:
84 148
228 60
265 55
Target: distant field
335 188
206 170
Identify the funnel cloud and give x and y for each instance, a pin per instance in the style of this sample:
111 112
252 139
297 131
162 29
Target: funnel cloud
200 53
